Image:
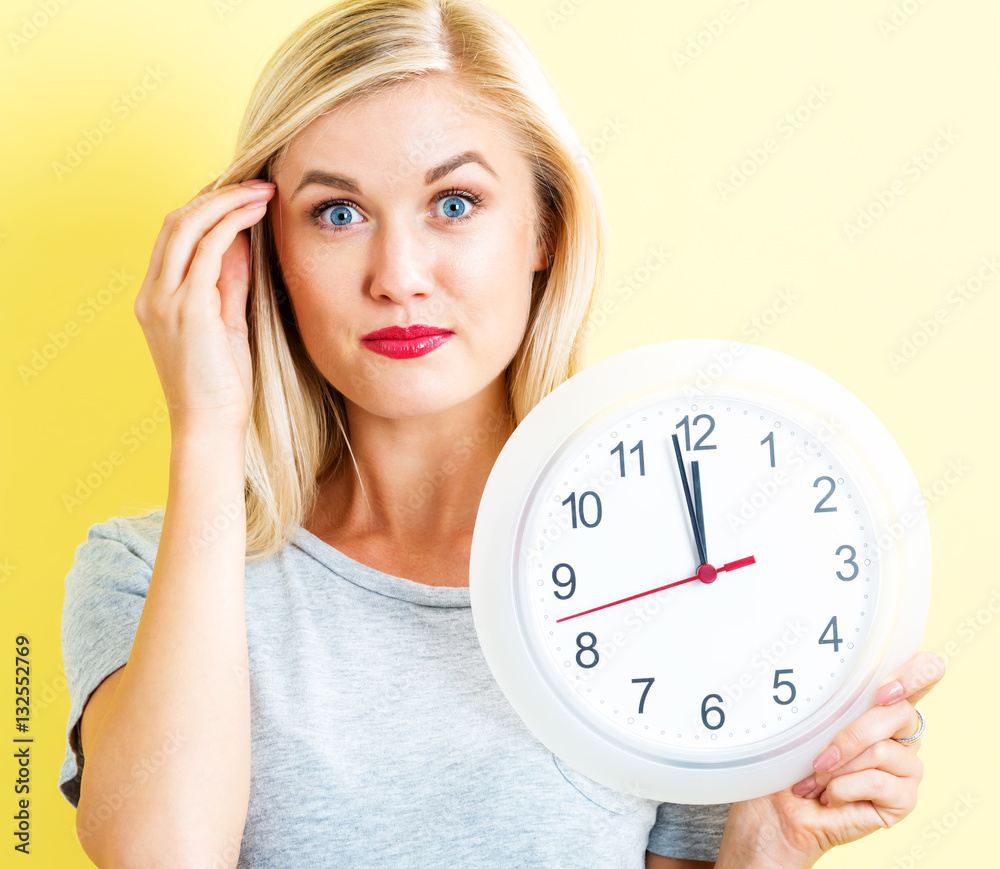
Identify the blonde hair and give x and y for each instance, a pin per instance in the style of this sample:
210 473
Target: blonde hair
354 48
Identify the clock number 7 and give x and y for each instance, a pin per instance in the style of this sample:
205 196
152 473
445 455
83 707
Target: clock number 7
645 691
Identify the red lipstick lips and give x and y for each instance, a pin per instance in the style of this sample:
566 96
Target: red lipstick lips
405 342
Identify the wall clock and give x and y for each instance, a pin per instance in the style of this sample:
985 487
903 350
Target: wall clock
693 563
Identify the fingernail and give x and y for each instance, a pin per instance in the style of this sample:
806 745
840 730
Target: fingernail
257 182
804 787
827 760
825 799
889 693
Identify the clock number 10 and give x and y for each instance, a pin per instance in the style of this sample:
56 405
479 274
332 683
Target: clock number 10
595 513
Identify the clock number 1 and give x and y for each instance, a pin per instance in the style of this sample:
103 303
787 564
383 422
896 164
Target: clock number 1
831 626
571 500
769 440
620 449
645 691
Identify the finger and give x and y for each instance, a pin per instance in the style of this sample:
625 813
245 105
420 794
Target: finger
912 680
891 796
887 755
897 720
206 265
193 222
154 271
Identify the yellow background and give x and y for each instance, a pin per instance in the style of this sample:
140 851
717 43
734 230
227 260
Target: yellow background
663 128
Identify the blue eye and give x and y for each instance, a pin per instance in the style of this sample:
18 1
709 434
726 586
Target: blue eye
340 214
454 206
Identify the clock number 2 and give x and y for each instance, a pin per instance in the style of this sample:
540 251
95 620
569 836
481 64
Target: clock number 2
706 709
819 508
582 649
649 684
831 626
571 500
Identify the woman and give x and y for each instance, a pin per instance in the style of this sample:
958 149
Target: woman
425 244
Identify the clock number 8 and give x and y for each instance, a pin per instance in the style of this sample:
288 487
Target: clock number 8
705 710
588 648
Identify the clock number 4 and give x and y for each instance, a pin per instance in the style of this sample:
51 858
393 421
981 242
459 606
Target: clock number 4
831 628
572 501
688 425
620 449
649 684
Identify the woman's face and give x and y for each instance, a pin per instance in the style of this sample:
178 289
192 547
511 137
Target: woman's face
408 208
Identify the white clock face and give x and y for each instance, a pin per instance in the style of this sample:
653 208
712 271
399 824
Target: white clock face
700 665
811 582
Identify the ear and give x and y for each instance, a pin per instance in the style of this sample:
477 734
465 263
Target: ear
542 260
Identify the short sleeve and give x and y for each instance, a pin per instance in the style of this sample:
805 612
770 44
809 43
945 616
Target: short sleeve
105 591
688 832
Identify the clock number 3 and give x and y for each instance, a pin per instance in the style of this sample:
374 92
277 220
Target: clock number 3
590 647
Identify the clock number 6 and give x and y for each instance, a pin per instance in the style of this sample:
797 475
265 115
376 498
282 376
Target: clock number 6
645 691
588 648
705 710
778 683
571 500
571 582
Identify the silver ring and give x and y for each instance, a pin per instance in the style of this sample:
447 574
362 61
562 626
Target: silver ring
919 733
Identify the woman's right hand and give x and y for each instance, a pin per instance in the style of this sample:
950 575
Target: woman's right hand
192 307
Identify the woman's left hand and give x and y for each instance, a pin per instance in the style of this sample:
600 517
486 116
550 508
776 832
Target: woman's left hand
864 780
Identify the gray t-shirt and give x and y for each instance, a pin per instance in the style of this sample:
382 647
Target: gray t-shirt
379 737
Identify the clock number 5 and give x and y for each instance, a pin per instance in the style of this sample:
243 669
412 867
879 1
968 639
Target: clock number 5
706 709
571 500
779 682
582 650
645 691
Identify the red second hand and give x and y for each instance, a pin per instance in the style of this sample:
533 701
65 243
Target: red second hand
702 574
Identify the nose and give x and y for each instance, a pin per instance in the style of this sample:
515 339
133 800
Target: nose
401 263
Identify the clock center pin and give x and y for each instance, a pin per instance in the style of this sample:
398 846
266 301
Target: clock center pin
707 573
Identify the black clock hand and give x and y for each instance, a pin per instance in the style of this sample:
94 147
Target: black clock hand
696 485
690 504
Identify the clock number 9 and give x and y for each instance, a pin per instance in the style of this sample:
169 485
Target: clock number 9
588 648
571 500
687 432
571 582
778 684
706 709
849 560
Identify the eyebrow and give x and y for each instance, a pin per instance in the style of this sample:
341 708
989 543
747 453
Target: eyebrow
328 179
